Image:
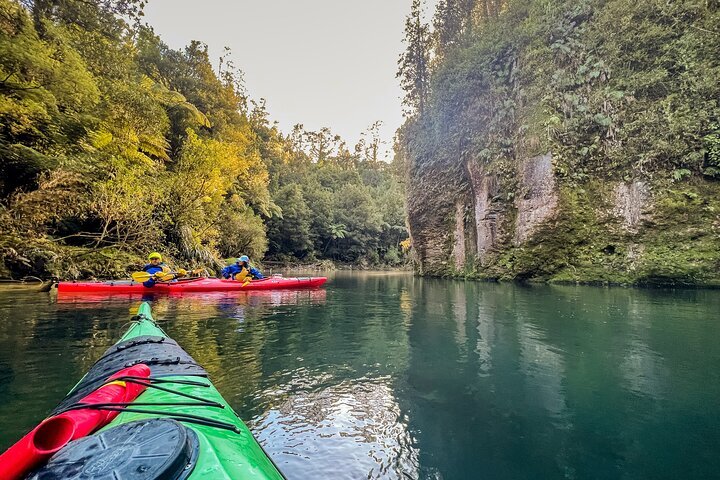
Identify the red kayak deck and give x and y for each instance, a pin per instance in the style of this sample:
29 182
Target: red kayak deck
192 285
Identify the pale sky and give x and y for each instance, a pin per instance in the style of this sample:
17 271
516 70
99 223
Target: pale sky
322 63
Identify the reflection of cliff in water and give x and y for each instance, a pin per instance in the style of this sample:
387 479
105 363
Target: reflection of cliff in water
553 382
507 382
425 378
643 368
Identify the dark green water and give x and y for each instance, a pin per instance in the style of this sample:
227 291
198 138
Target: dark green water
391 376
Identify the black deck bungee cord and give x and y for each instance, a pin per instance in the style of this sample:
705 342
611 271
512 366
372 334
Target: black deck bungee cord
138 381
179 416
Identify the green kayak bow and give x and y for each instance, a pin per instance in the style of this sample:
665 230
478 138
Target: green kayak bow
179 428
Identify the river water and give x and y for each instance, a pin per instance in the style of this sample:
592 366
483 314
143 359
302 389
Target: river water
386 375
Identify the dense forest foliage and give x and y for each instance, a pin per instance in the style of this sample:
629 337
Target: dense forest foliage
112 144
622 96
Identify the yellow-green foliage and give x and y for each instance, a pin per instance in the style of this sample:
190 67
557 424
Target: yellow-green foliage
201 179
150 142
113 144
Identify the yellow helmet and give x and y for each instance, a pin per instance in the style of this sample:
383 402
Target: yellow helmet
155 255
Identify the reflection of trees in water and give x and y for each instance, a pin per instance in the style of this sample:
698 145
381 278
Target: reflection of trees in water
44 351
276 342
406 306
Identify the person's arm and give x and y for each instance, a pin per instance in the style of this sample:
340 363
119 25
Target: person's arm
225 272
256 273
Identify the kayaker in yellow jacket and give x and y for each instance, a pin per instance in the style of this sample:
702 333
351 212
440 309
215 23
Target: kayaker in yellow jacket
159 270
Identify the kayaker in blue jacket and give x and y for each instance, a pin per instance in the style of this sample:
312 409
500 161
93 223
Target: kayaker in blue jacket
241 263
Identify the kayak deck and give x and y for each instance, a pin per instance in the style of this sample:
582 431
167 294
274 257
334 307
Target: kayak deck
192 285
181 391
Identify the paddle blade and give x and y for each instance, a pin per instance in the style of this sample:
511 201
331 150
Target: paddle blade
166 277
141 276
240 276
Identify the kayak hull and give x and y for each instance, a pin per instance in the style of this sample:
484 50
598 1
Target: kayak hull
287 296
192 285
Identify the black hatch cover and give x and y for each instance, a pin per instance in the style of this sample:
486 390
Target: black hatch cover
155 449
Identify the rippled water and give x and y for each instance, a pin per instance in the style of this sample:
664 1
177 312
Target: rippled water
391 376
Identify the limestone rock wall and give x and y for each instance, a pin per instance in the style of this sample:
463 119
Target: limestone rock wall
488 215
531 224
630 200
537 196
459 253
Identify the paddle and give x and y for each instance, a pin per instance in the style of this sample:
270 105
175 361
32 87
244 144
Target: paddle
164 277
243 275
240 276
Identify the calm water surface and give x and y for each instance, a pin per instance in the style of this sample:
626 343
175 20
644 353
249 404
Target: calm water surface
391 376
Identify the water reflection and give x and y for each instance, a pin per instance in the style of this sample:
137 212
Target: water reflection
544 370
488 328
642 368
357 422
392 376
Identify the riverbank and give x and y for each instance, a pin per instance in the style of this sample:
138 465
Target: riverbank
45 259
566 151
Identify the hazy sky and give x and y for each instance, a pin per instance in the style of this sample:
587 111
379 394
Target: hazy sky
316 62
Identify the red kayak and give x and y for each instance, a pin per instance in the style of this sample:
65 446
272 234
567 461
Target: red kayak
191 285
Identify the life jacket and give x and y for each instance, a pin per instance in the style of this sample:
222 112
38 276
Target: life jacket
150 268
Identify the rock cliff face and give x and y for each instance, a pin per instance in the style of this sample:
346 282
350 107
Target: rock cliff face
535 227
488 217
630 200
537 197
628 232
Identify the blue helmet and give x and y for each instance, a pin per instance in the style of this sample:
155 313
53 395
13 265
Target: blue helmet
243 258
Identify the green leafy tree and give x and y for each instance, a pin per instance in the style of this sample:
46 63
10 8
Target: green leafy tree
354 208
414 62
290 234
242 231
147 147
